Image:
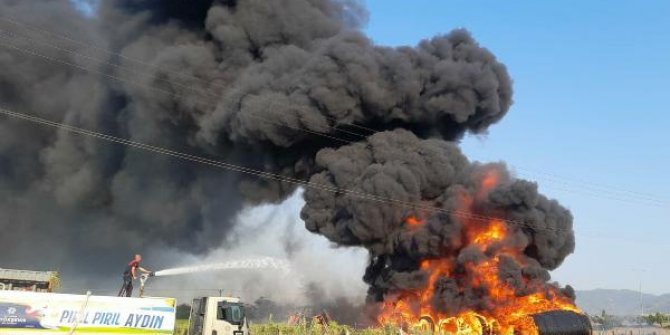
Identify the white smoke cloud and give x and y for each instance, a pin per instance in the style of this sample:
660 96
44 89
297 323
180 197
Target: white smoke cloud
261 232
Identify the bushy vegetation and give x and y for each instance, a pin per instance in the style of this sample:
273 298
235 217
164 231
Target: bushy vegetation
658 319
340 309
263 313
273 328
277 328
606 321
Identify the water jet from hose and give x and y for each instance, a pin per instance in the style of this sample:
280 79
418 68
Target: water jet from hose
251 264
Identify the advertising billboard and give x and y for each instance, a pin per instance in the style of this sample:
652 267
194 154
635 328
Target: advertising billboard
28 313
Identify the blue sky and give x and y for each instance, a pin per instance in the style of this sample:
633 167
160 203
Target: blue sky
589 122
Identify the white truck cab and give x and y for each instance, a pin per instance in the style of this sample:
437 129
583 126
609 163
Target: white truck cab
217 316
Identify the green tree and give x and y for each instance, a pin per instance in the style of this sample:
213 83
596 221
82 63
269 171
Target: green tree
608 321
657 319
661 318
183 312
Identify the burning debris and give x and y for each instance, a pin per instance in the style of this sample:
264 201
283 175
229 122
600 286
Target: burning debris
291 87
474 254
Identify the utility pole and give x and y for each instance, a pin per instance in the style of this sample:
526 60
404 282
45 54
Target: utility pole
640 274
641 305
641 309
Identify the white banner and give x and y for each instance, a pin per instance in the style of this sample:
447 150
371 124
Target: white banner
50 313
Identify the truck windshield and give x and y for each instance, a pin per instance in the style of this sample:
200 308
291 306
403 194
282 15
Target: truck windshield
232 313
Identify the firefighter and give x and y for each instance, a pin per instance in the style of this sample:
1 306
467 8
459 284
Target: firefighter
130 274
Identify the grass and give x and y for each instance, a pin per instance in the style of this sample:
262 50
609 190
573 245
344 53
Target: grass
181 327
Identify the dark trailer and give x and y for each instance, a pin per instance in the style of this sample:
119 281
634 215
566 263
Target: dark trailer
562 323
25 280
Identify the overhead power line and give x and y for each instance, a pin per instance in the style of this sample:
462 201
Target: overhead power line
592 189
164 91
152 75
584 187
266 174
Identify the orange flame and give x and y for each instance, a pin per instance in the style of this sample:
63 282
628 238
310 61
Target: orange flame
489 182
413 221
495 232
508 313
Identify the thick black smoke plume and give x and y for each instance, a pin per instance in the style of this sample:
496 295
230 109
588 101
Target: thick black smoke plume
434 174
288 86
